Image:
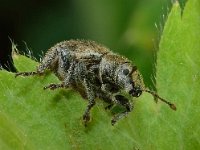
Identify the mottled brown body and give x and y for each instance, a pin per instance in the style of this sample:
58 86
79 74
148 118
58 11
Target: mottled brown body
95 72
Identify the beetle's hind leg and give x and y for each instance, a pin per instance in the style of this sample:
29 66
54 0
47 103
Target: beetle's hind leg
25 73
49 61
121 100
40 71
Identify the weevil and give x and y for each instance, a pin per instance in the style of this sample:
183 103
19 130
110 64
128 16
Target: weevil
95 72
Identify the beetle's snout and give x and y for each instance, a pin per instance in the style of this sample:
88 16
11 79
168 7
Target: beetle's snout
136 92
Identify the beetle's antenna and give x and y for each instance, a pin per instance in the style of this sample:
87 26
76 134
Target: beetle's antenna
172 106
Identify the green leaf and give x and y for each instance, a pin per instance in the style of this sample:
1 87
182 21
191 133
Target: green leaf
178 74
33 118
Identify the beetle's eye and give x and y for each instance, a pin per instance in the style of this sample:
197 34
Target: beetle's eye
125 71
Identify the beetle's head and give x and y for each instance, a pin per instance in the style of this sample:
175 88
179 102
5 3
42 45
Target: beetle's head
125 76
129 79
137 80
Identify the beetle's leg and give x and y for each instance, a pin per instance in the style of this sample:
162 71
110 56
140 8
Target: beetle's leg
121 100
112 99
54 86
108 92
65 83
81 75
91 101
25 73
49 61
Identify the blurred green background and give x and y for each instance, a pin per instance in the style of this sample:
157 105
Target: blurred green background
128 27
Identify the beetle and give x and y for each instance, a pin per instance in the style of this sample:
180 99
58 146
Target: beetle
95 72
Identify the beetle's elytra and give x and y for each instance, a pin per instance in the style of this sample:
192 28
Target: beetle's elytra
95 72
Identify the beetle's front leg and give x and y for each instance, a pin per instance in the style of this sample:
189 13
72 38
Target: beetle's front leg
112 99
108 94
123 101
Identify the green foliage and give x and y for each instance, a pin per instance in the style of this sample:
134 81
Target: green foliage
33 118
178 74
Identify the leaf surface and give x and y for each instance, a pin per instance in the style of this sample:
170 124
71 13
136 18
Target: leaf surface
33 118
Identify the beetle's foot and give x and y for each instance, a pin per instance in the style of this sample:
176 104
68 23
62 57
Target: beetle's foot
113 121
118 117
53 86
25 74
86 119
